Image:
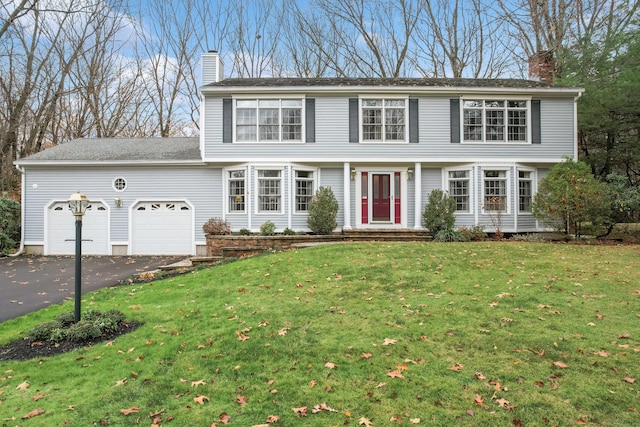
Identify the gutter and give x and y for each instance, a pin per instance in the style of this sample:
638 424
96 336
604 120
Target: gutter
22 212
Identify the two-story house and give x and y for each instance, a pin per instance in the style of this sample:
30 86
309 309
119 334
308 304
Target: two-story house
267 144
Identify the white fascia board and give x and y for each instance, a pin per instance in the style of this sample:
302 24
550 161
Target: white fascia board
98 163
360 160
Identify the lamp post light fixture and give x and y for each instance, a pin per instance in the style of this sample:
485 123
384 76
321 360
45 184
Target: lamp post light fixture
78 204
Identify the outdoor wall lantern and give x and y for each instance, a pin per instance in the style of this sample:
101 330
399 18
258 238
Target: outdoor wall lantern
353 174
410 174
118 202
78 204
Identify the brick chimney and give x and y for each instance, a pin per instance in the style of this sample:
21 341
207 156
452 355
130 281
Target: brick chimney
212 67
541 67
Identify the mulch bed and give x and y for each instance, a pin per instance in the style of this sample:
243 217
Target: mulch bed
24 349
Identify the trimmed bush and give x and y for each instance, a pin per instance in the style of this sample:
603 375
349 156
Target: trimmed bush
438 213
474 233
43 331
323 211
65 319
217 226
84 330
268 228
449 235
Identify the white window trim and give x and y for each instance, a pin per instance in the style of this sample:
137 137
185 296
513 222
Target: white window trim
404 98
292 186
508 186
226 188
534 187
274 97
495 98
256 185
472 190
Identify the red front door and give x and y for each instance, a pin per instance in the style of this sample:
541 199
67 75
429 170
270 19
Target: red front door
381 205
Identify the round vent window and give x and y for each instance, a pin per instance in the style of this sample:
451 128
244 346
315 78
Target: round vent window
119 184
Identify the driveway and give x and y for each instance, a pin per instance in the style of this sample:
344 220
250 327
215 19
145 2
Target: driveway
29 283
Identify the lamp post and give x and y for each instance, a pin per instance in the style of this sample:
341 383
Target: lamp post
78 203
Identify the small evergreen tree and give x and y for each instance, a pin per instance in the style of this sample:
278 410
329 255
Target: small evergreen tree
569 196
438 213
9 224
323 211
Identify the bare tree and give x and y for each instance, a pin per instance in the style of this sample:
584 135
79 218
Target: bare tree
165 53
39 51
459 39
12 11
254 37
373 37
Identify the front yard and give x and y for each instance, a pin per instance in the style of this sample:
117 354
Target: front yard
373 334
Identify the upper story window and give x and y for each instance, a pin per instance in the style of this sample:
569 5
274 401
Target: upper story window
384 120
495 121
268 120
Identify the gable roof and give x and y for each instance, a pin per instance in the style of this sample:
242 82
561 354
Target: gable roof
120 150
418 86
379 82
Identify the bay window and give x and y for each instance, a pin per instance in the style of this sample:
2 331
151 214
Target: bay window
495 190
269 190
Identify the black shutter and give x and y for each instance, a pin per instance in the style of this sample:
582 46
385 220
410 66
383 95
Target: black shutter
227 122
455 120
310 120
413 121
353 120
536 135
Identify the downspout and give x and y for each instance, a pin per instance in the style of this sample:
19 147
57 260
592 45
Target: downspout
575 126
22 211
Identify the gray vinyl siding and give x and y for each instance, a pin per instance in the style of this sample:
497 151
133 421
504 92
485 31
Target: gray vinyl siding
333 178
197 185
434 138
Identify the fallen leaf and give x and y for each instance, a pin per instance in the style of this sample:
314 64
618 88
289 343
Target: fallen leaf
120 382
197 383
241 400
389 341
302 411
224 418
330 365
273 419
23 386
414 420
365 422
366 355
601 353
629 380
37 397
470 412
504 403
457 367
33 413
395 374
282 332
201 398
560 365
129 411
322 407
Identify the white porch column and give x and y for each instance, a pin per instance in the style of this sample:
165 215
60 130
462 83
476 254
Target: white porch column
417 177
346 198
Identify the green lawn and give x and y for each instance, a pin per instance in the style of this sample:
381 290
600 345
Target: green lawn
477 334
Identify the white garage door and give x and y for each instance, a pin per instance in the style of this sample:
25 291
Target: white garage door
61 230
162 228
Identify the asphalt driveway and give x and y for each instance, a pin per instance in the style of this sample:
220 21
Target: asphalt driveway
29 283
